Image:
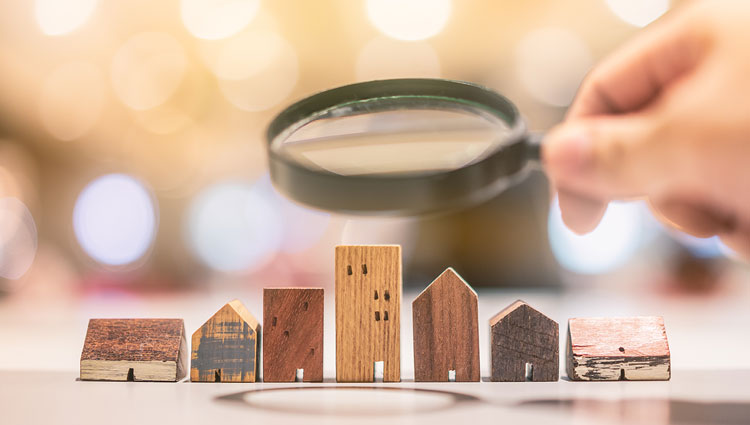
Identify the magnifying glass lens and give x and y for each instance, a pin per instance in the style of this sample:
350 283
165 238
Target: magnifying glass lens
398 147
403 142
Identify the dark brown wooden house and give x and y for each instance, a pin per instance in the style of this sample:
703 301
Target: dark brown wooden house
446 331
525 345
293 334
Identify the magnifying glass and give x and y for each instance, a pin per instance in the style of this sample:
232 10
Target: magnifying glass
399 147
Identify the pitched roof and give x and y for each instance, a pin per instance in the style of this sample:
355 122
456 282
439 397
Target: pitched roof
133 339
236 307
244 313
447 276
510 309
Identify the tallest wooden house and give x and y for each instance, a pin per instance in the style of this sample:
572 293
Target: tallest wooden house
368 311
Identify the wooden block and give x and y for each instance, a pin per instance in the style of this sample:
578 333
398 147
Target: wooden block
368 311
225 348
134 350
525 345
618 348
446 331
293 334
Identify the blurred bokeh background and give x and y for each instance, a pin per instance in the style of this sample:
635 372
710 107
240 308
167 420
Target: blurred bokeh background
132 153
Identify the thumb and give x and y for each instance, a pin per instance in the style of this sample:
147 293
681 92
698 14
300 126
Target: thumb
609 157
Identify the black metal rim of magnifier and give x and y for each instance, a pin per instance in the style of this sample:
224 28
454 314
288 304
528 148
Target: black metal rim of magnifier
401 195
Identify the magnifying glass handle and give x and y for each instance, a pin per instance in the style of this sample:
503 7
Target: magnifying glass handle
534 149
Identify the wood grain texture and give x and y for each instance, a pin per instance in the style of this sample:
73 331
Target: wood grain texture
521 335
293 334
368 312
446 330
225 348
134 350
618 348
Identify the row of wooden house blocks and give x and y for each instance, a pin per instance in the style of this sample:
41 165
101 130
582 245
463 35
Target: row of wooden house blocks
524 342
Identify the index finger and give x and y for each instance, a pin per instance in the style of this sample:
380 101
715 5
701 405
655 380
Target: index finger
637 73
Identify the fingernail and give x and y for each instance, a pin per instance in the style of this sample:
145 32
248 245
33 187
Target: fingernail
581 213
571 149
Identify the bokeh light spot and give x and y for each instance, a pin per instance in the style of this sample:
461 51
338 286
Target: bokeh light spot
72 99
233 227
261 85
215 19
147 69
387 58
248 54
114 219
610 245
551 63
58 17
18 238
638 12
409 19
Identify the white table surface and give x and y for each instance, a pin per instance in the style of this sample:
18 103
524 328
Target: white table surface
690 397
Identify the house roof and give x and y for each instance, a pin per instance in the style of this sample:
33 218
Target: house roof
133 339
236 307
244 313
510 309
448 276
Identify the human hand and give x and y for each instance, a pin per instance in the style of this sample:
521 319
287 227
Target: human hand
665 118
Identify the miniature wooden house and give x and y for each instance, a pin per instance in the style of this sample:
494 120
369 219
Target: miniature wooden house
293 334
446 331
225 348
134 350
525 345
620 348
368 311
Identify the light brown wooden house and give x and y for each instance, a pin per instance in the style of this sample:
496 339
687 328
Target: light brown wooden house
368 311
